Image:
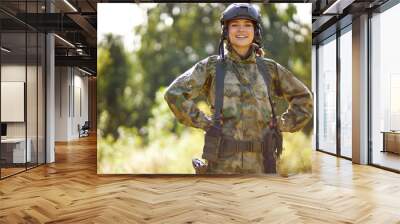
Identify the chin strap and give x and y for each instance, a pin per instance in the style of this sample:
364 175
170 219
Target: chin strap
221 48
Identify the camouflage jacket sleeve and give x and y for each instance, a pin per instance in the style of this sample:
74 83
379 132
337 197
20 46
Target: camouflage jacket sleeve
298 96
183 90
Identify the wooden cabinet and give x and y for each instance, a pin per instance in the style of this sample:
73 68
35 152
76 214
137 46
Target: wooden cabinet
391 142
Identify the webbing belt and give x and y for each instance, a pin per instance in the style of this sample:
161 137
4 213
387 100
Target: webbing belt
232 145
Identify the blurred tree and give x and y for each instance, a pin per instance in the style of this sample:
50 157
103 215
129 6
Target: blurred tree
288 42
117 104
175 38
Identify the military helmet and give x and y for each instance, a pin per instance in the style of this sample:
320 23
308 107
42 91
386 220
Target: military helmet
241 11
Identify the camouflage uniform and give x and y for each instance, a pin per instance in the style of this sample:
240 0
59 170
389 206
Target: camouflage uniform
246 110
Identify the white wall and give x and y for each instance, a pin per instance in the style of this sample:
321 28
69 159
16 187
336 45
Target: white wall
61 103
12 101
12 73
71 94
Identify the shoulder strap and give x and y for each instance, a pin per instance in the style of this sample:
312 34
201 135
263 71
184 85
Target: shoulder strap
262 67
219 91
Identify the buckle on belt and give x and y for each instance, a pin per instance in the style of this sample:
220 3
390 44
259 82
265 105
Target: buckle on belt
243 146
258 146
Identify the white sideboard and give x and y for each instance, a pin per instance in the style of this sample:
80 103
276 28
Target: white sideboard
18 144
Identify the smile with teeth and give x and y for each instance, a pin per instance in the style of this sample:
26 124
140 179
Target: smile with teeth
241 36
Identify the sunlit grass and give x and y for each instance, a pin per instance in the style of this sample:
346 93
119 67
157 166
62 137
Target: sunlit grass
171 154
297 154
166 155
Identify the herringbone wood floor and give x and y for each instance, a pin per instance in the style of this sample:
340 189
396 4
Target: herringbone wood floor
70 191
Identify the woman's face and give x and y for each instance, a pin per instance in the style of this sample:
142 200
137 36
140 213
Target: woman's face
240 33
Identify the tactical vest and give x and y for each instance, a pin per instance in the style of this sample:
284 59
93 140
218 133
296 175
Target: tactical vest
216 144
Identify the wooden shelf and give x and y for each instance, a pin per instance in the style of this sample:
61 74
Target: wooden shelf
391 142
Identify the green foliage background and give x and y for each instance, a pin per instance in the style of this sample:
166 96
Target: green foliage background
137 131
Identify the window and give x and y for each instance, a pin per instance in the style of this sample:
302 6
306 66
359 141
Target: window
327 95
23 87
346 75
385 89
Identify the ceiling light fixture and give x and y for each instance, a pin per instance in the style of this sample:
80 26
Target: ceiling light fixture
86 72
5 50
337 7
79 51
64 40
70 5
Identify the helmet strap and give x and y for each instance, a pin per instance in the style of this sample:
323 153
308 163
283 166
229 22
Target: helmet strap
221 48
